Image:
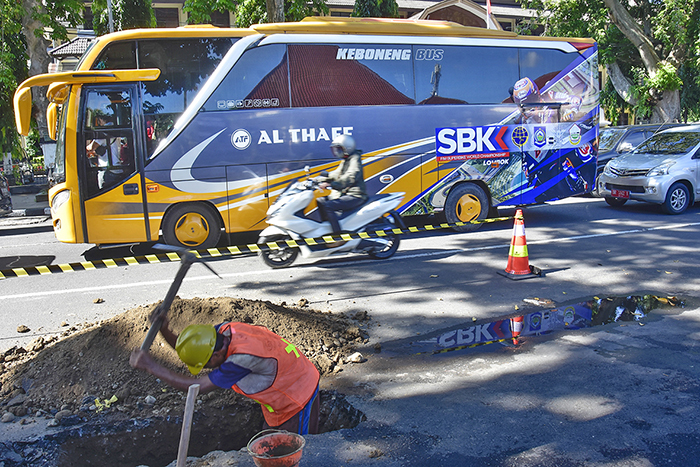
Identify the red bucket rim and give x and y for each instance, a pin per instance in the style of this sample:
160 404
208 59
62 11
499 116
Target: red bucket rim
270 433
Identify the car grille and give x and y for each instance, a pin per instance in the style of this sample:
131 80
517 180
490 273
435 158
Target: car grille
631 189
628 172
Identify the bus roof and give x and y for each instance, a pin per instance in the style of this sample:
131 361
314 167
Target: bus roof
392 26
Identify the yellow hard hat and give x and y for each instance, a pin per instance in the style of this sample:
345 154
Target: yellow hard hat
195 345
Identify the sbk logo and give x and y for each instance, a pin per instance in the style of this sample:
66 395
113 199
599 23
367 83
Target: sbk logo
470 140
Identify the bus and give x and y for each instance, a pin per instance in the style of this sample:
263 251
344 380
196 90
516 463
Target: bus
463 120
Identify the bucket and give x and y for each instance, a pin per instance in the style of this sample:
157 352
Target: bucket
276 448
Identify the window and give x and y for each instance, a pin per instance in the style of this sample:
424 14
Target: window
464 74
185 65
117 56
167 17
333 75
258 80
541 65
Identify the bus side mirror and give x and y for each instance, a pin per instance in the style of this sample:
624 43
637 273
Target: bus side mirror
52 119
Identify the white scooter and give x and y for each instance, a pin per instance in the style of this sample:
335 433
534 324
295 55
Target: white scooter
287 220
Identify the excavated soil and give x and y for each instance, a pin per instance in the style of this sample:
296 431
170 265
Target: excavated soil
83 376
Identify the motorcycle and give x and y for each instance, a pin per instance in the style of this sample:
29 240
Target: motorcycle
288 220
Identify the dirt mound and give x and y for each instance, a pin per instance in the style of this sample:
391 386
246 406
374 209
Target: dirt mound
66 375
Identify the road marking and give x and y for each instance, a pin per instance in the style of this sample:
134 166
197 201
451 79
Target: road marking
394 258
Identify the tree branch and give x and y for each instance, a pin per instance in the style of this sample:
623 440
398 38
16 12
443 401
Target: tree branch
629 27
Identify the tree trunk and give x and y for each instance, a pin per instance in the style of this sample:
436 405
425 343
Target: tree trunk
38 63
668 109
622 85
275 11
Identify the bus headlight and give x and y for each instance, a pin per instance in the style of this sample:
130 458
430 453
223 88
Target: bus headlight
60 199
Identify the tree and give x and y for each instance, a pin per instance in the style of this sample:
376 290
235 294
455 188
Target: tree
646 46
376 9
254 11
126 14
13 68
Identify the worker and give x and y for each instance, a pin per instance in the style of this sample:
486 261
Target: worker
347 182
251 360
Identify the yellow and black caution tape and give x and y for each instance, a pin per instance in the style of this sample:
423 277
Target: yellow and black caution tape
225 251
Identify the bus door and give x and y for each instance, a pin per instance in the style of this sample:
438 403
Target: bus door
110 165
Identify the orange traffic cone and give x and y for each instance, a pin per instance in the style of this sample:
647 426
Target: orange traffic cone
516 327
518 266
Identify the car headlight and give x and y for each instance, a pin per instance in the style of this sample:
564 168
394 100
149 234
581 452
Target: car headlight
606 169
662 169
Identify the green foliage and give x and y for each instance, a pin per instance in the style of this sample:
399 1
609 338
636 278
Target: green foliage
126 14
375 9
613 104
13 69
255 11
199 12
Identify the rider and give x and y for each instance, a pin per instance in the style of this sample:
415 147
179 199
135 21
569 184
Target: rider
347 182
525 92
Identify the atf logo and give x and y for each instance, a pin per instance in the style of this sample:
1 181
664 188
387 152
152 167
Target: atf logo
585 152
520 136
470 140
241 139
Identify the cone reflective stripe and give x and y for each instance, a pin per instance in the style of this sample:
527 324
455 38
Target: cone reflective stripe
518 261
516 327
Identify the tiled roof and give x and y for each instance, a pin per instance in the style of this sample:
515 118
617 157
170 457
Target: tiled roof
73 48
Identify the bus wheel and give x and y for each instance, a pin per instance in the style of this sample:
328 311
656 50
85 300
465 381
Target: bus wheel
192 225
466 202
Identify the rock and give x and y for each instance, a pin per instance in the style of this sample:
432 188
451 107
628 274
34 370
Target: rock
22 328
150 400
53 422
302 303
324 363
355 358
98 300
62 414
18 411
8 417
19 399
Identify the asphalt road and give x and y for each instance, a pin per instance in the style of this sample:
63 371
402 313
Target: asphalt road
615 395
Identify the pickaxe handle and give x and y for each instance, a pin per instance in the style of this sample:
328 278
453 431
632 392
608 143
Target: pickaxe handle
159 314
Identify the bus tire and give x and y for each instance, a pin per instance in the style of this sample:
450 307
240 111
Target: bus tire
192 225
466 202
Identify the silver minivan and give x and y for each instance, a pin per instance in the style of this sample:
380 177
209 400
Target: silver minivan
661 170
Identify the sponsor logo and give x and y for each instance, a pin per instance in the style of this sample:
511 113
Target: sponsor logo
585 152
499 156
520 136
540 136
575 135
471 142
241 139
472 335
247 103
535 321
373 54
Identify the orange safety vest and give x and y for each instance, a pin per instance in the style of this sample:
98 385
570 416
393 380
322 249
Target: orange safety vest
295 381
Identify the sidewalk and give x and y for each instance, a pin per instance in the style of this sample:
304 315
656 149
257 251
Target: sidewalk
24 201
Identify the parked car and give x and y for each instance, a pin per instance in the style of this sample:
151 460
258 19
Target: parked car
5 197
617 140
662 170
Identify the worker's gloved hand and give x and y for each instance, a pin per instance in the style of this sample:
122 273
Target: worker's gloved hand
140 359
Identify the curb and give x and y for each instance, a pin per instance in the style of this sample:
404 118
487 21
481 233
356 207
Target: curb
30 212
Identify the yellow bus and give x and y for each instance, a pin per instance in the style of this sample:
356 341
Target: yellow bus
462 119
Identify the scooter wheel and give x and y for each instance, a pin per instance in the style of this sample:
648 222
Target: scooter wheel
278 258
391 240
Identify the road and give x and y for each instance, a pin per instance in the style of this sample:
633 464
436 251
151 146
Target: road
616 395
434 281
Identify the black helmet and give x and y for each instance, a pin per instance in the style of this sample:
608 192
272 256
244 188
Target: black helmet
342 146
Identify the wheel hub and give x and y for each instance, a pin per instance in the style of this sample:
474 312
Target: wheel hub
192 229
468 208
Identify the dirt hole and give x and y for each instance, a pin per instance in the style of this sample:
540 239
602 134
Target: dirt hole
106 413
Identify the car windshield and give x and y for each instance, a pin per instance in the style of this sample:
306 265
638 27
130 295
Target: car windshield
609 137
669 143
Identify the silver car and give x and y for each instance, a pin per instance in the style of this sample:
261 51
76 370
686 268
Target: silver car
662 170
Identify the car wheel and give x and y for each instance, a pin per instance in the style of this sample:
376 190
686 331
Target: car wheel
192 225
465 203
677 199
615 202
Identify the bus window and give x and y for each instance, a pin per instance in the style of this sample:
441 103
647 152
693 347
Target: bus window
464 75
258 80
117 56
185 65
109 144
541 65
332 75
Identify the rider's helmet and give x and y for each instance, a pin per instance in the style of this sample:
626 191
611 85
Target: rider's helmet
343 146
525 90
195 346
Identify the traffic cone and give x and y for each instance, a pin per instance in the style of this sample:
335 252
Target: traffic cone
516 327
518 266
